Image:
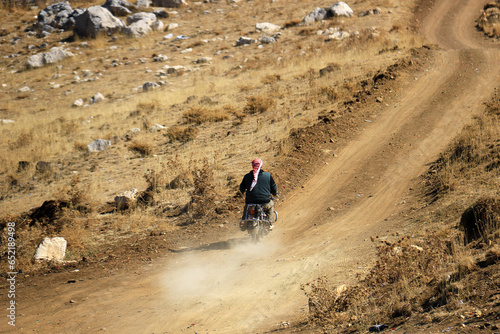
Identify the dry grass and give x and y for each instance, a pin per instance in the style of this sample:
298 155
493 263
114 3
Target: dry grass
406 279
259 104
142 147
200 115
415 276
257 101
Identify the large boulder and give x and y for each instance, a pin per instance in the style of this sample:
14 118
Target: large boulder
169 3
96 20
58 15
335 10
53 56
120 7
51 249
340 9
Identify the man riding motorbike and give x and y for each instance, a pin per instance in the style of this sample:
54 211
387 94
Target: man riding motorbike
259 186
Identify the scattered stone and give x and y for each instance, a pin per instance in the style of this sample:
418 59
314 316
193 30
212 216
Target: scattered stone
56 16
267 40
340 9
244 41
43 167
142 3
157 25
160 58
96 98
53 56
161 14
51 249
7 121
203 60
138 29
169 3
267 27
78 103
126 199
318 14
148 17
157 127
171 26
120 7
373 11
98 145
149 86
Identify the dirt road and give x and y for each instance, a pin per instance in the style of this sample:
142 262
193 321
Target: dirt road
249 289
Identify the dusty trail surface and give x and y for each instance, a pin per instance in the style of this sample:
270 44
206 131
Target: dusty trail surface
249 289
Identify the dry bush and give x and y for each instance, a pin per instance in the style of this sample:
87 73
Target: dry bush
271 78
76 195
406 278
203 197
489 22
181 134
200 115
147 107
142 147
481 220
259 104
24 139
80 146
475 151
330 92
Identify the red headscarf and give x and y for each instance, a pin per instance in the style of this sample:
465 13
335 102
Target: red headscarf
256 165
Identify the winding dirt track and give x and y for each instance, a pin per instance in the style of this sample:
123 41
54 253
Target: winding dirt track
249 289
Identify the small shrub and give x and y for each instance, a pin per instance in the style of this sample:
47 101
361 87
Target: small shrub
204 193
141 147
80 146
329 92
271 78
24 139
259 104
200 115
181 134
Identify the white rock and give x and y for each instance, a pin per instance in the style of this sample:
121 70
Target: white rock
98 145
51 249
7 121
78 103
171 26
149 86
53 56
125 199
267 27
157 127
97 98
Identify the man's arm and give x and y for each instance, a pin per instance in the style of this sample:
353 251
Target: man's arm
243 186
274 187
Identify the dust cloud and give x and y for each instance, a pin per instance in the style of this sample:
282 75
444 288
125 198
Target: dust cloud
214 274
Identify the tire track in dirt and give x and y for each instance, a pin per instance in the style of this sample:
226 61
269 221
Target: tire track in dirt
249 289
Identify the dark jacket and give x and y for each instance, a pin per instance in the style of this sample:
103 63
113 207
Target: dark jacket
261 193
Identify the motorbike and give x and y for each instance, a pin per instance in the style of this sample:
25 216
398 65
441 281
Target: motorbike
256 222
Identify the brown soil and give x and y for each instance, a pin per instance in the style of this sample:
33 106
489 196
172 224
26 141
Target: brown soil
206 279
